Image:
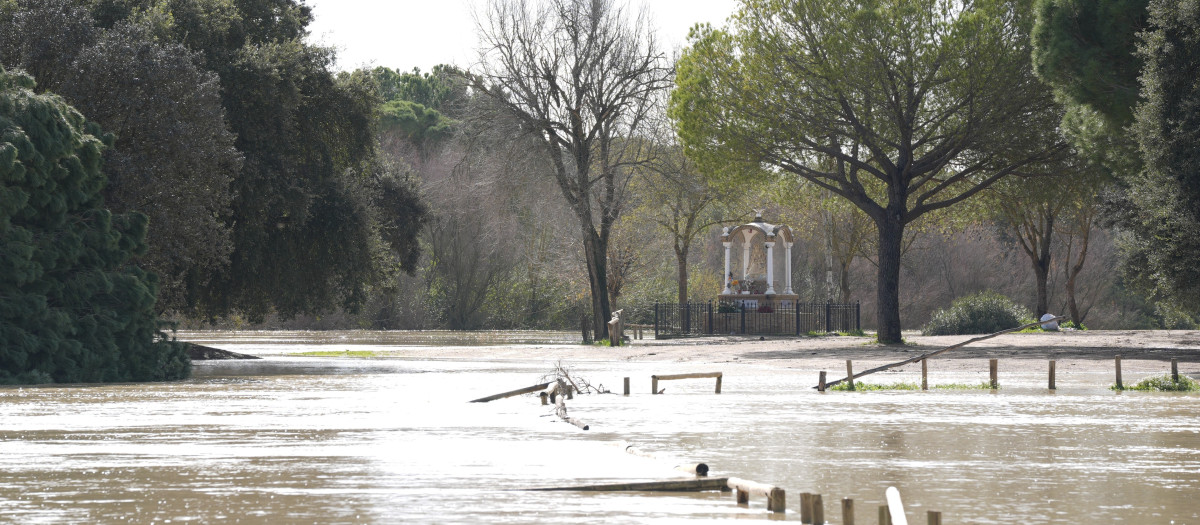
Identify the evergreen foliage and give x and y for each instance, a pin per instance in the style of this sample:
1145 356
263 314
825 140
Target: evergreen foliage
981 313
72 306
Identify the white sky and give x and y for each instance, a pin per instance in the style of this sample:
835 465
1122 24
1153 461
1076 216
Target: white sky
403 34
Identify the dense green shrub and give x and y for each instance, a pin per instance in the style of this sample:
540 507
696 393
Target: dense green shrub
981 313
72 306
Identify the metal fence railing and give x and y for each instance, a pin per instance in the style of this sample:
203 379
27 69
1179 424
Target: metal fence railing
768 318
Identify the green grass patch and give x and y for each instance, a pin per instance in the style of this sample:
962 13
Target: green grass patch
1163 383
872 387
344 353
964 386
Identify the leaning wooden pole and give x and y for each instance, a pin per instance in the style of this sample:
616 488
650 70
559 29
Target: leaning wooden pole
936 352
511 393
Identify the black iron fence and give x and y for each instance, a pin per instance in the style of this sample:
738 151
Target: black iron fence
699 319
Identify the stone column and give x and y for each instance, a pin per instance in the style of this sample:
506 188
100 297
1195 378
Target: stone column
726 276
788 263
770 267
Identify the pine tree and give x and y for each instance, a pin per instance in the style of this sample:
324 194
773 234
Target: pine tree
73 308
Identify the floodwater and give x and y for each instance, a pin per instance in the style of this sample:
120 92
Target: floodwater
335 440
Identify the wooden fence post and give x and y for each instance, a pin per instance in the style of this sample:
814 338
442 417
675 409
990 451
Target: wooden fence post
821 382
847 511
805 507
1119 385
818 510
850 373
1052 363
583 327
924 374
626 386
993 368
653 384
884 518
935 517
1174 370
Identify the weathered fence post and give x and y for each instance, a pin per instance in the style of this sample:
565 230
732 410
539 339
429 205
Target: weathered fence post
993 368
935 517
1174 370
858 316
806 507
924 374
884 518
656 321
1052 364
818 510
821 382
654 384
626 386
583 326
847 511
1119 385
850 374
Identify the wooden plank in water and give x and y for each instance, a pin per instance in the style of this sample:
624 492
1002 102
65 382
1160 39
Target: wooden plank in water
511 393
698 375
686 485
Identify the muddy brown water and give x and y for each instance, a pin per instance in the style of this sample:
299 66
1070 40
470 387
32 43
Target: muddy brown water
332 440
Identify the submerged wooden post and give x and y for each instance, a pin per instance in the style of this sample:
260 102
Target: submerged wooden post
993 368
776 497
818 510
850 373
1052 363
884 518
821 382
935 517
545 398
626 386
924 374
653 384
806 507
719 378
1174 370
847 511
1119 385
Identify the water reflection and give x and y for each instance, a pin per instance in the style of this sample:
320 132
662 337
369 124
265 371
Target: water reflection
362 441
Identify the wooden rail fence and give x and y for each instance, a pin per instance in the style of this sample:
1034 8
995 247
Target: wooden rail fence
654 379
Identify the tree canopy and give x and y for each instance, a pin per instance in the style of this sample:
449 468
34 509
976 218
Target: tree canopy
73 308
913 105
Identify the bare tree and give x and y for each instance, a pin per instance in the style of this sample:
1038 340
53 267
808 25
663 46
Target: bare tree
581 76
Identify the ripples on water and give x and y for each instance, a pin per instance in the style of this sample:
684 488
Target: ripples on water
384 441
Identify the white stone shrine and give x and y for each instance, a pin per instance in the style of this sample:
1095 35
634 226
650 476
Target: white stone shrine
755 281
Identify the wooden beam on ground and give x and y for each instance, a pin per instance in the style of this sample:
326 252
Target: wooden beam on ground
511 393
936 352
684 485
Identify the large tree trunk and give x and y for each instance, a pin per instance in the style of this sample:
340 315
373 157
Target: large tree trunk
1041 274
1040 258
681 255
595 250
891 237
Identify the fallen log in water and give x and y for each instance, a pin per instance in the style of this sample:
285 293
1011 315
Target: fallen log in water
511 393
560 410
947 349
687 485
